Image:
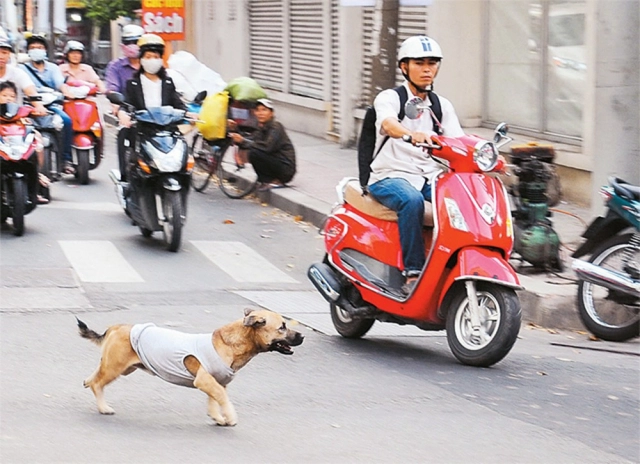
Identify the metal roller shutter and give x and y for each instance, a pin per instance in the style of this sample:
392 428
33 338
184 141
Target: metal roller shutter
412 20
266 30
336 102
307 39
366 98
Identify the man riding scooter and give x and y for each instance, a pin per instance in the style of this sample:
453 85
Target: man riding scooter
400 170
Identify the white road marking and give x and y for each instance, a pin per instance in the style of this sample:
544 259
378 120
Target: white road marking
98 261
241 262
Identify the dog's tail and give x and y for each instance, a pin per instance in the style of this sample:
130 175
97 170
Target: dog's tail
86 332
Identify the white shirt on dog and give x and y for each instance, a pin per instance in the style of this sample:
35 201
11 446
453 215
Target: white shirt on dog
162 351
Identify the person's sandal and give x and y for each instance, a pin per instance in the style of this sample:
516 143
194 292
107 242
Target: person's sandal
68 168
44 180
41 200
409 285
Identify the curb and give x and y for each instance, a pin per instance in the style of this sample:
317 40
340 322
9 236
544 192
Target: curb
544 303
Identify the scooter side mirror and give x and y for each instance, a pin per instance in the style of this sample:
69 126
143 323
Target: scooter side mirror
500 131
199 98
414 108
116 98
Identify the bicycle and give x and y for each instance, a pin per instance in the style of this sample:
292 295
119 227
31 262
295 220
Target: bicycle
219 158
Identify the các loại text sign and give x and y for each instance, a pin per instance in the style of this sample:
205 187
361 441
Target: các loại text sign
165 18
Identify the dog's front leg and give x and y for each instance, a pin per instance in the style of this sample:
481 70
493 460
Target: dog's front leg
220 408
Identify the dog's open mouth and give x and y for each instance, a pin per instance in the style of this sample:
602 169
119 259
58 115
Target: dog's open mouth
281 347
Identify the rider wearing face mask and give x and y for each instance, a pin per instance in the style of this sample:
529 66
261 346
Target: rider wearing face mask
151 86
46 75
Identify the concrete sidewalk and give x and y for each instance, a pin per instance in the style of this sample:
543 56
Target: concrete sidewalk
549 299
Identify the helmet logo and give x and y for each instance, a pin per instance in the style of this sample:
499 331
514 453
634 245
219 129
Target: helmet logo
426 44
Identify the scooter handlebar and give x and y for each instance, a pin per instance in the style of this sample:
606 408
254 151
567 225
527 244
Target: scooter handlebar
429 145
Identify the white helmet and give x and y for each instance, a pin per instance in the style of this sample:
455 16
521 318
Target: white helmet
419 46
131 33
73 46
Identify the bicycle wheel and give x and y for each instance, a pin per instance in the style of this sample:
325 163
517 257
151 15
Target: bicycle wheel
204 163
235 178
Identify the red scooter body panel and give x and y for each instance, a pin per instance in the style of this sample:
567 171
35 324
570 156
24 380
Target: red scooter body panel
473 202
83 114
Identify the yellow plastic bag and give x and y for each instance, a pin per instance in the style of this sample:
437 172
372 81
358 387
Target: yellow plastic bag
214 116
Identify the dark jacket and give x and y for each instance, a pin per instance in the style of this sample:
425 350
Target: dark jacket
170 97
272 139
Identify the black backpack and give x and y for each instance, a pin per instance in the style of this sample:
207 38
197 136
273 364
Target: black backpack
367 141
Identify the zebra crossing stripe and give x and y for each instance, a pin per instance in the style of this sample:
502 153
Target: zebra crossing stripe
98 261
241 262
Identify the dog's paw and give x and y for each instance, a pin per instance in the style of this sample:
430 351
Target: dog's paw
230 415
107 410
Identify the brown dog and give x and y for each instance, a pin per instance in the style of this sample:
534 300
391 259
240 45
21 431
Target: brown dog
206 361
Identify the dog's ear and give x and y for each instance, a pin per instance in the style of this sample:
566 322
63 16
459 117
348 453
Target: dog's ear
254 321
248 311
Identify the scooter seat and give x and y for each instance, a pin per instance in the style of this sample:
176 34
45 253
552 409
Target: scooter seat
368 205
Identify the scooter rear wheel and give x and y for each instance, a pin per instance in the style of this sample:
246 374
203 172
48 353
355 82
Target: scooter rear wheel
500 318
346 325
609 314
83 166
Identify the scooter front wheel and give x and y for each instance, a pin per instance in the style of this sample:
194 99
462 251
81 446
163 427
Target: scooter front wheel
500 316
172 226
346 325
19 206
83 166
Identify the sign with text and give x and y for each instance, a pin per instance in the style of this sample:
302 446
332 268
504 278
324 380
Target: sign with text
165 18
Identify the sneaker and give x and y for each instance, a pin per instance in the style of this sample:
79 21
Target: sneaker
409 285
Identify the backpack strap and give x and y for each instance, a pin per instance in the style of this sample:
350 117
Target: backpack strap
404 96
436 112
33 72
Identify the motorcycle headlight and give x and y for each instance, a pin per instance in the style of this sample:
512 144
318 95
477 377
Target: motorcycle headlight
57 122
170 161
485 154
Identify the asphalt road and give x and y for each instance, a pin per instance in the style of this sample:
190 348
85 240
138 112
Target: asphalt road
398 395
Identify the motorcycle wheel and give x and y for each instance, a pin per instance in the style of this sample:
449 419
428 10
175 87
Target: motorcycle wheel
172 226
53 159
346 325
19 205
500 319
83 166
235 180
204 163
609 314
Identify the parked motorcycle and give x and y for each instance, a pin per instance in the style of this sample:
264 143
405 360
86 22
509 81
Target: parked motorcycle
159 172
18 165
467 285
609 288
86 144
50 126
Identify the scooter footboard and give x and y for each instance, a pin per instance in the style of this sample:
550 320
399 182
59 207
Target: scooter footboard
481 264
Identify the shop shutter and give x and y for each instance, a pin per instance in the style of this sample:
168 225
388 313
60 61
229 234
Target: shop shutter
336 103
366 98
308 48
266 37
412 20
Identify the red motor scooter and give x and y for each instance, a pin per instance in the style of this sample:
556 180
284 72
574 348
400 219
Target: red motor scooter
87 142
18 165
467 285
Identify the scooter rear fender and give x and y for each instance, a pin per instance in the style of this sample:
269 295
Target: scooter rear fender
600 229
482 264
83 141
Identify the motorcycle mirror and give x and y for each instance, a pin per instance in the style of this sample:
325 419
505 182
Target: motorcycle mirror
500 131
116 98
200 97
414 108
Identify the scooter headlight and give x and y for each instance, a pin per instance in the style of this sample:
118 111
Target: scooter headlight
170 161
485 154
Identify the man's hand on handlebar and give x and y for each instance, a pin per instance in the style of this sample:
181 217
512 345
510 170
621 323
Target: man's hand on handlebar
38 109
124 119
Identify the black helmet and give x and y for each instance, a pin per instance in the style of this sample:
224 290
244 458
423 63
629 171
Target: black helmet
39 38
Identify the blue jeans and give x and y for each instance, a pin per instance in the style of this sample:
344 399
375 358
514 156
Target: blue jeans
67 132
403 198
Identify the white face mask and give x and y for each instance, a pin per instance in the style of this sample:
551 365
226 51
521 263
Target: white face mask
37 54
151 65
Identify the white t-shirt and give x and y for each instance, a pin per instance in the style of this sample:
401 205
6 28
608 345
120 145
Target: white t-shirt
151 91
398 158
19 77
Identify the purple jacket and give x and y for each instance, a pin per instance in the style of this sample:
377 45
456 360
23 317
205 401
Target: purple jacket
118 73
